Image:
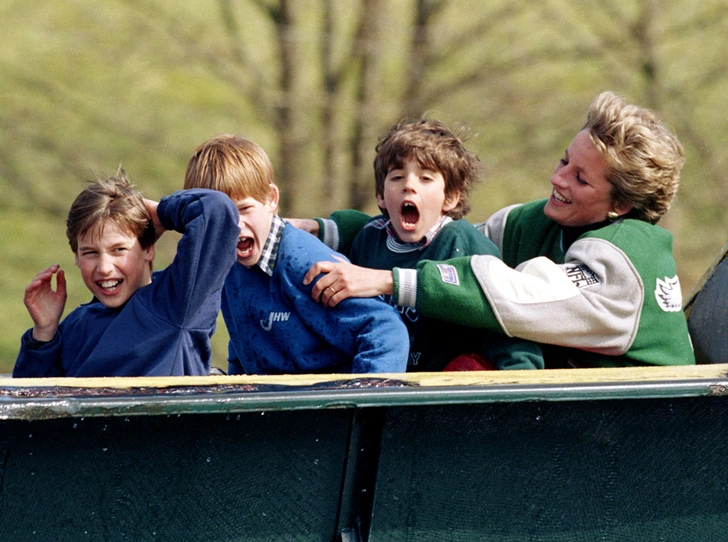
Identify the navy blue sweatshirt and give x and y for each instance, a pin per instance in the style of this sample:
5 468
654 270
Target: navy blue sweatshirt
164 329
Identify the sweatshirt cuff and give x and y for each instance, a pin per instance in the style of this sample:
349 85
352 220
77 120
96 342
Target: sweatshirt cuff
405 287
30 343
328 233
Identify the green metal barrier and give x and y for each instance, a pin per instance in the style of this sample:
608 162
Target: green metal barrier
583 455
624 470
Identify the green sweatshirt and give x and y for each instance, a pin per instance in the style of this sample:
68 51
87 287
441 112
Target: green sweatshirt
434 343
610 298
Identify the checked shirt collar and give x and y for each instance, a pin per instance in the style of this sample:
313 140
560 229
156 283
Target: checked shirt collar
269 254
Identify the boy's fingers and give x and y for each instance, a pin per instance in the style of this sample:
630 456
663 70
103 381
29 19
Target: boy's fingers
32 287
43 280
43 277
45 274
61 282
151 206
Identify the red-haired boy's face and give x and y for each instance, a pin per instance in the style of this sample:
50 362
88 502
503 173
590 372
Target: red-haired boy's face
415 199
113 263
255 221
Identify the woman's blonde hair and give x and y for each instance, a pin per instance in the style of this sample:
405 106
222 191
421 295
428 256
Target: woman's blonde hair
643 156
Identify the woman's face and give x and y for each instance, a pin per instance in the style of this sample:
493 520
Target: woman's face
581 193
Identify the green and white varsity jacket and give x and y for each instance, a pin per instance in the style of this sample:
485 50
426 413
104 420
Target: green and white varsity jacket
610 298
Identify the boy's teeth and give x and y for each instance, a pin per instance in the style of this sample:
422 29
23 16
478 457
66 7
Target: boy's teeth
245 245
410 214
107 284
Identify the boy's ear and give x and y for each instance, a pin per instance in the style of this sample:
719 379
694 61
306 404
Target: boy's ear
451 202
149 253
273 196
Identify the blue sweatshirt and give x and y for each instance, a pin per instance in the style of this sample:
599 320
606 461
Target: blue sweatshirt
164 329
276 327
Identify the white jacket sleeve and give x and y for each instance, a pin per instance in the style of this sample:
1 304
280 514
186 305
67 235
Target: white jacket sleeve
593 301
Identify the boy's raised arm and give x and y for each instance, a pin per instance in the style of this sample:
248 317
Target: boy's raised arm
159 229
208 221
44 304
40 354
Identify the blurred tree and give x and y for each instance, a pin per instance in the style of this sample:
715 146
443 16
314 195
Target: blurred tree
368 118
327 100
657 54
86 85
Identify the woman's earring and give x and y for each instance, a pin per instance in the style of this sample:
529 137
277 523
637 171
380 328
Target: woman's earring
612 216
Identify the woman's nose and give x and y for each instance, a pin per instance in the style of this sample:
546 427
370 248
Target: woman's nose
558 178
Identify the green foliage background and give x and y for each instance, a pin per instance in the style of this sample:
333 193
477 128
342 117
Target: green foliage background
86 86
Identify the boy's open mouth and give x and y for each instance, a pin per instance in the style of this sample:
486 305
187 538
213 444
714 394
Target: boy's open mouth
409 216
245 247
109 286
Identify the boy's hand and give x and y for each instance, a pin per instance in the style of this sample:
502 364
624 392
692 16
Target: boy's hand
151 206
343 280
44 304
305 224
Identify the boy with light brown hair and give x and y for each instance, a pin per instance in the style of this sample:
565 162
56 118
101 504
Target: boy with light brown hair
275 327
139 323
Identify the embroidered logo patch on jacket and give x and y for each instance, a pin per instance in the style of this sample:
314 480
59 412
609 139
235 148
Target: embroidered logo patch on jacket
581 275
668 294
448 274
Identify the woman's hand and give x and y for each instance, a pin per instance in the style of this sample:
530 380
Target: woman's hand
44 304
342 280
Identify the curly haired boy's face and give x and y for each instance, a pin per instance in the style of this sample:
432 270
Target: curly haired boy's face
415 199
113 263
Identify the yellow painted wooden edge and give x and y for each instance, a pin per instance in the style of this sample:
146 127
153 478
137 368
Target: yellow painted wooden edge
474 378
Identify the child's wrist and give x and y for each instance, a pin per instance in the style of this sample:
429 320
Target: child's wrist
386 284
43 334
